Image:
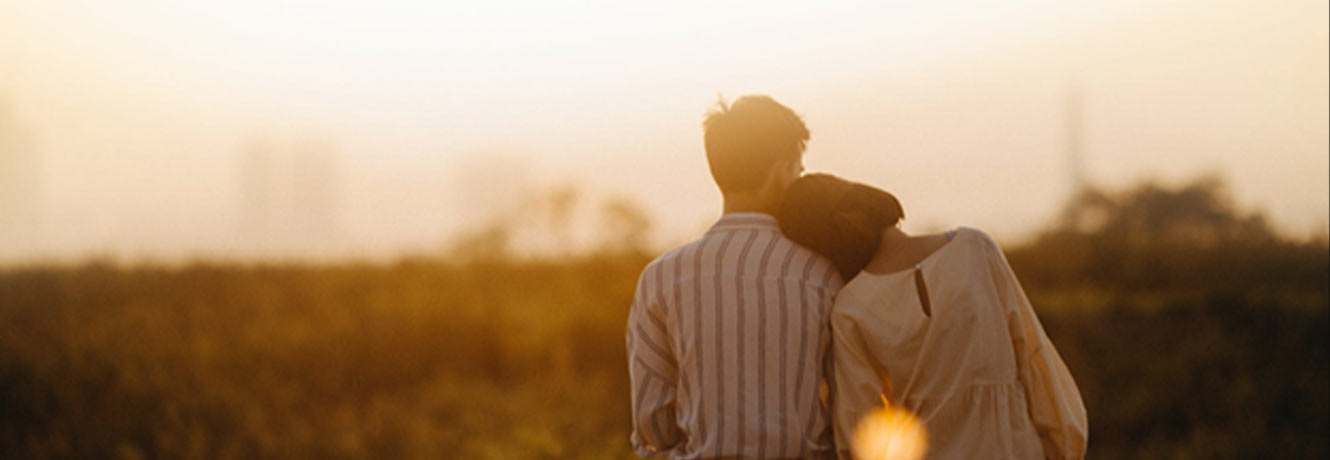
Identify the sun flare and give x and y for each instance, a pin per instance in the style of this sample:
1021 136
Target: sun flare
890 433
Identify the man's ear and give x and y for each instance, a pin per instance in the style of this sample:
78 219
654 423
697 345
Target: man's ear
781 173
774 177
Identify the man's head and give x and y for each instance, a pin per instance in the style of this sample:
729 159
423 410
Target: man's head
754 145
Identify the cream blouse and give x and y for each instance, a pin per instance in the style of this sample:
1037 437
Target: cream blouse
977 369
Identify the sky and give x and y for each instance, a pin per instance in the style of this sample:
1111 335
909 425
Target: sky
174 130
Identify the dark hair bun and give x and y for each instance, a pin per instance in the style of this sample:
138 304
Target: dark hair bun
839 219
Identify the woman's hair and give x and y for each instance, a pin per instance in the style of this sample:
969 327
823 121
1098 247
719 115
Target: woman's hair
839 219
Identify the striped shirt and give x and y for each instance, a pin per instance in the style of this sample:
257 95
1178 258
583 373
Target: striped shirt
726 344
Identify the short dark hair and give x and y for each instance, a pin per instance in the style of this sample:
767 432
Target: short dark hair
746 138
839 219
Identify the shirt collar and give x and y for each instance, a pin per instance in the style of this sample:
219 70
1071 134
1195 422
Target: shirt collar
745 221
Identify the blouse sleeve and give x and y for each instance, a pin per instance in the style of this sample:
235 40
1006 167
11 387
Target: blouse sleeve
857 384
1055 404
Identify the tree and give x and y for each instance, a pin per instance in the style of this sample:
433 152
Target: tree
1152 236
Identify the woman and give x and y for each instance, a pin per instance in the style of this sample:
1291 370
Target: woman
939 325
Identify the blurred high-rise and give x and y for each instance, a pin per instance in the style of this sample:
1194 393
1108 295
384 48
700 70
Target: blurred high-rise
289 196
20 186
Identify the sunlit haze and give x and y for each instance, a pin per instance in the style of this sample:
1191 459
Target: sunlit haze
173 130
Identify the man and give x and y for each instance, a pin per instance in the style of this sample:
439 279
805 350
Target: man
727 334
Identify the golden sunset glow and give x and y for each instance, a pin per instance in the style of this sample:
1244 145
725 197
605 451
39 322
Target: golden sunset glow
288 229
890 433
139 121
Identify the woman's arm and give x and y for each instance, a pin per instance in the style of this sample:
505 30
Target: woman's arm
1055 404
859 381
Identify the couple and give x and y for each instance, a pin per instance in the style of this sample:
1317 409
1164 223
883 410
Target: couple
805 304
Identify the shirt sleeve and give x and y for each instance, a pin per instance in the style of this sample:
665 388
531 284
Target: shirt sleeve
653 374
1055 404
858 385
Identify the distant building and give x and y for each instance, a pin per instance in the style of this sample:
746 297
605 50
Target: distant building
20 187
256 188
289 197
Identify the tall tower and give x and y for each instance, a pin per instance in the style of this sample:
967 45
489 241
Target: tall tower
1074 143
1085 207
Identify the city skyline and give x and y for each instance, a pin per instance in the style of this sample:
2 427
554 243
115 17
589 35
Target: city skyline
965 113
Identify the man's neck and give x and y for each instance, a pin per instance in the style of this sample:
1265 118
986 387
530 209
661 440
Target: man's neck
748 203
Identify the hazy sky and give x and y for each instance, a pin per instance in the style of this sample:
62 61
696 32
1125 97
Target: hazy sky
388 126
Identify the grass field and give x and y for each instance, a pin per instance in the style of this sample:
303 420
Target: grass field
526 360
1192 330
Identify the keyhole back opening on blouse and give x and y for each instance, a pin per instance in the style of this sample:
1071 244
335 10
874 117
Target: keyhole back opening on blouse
923 291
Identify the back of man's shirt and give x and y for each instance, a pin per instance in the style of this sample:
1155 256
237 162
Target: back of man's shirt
726 340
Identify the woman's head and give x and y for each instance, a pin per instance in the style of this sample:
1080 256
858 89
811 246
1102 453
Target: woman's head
839 219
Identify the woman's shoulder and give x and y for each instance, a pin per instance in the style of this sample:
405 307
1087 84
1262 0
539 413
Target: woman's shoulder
981 246
975 235
976 243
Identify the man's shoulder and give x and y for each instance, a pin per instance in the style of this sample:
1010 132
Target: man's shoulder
782 255
671 257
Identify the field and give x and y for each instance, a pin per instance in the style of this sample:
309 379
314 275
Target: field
1218 353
